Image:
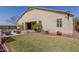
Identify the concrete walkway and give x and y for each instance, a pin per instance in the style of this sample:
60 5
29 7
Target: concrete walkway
2 49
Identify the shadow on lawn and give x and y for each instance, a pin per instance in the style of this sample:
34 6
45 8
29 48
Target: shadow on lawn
10 39
7 39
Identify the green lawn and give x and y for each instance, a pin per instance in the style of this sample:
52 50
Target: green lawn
36 42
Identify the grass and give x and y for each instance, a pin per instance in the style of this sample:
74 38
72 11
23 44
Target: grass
37 43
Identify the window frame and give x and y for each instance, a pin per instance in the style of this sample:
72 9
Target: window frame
59 22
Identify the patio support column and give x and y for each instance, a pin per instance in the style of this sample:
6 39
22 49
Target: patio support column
24 26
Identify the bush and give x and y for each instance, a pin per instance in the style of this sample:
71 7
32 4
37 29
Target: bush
76 27
46 32
37 27
59 33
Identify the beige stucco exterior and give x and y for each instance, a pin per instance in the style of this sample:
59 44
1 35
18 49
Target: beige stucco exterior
49 20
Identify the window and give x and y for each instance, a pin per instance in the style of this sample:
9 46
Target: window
59 22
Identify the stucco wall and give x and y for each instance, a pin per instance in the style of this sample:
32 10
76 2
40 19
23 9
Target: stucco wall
49 20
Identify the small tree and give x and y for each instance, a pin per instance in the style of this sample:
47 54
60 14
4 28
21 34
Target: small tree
34 26
76 24
37 26
40 26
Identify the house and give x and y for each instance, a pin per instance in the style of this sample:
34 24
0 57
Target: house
52 20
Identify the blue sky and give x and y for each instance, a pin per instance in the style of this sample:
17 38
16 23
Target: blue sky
8 11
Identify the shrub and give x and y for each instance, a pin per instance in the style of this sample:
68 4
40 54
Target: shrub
46 32
59 33
76 27
37 27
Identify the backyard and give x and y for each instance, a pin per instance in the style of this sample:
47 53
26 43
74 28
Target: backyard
33 42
